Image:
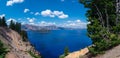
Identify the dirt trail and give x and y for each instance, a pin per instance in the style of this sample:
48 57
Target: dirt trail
18 48
77 54
113 53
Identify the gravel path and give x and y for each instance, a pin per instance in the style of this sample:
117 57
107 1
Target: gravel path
17 47
113 53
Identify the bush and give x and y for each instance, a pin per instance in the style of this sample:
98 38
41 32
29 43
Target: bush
104 44
62 56
33 55
24 36
66 51
3 50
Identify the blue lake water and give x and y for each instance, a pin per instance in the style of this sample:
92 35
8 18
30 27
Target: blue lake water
52 44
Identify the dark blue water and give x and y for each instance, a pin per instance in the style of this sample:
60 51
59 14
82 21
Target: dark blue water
52 44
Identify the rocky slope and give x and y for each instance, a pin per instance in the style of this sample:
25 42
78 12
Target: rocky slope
112 53
13 41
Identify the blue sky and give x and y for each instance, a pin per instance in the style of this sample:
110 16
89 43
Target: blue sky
67 13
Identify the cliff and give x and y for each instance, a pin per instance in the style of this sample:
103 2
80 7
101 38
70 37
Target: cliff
17 48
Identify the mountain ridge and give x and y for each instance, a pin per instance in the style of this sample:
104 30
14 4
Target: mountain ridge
16 47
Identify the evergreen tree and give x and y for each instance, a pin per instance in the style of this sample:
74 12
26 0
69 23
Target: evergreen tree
2 50
24 35
66 51
102 28
3 22
12 25
15 26
18 27
0 21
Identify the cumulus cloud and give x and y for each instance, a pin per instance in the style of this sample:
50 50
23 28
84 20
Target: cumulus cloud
44 23
63 16
11 19
8 21
31 20
49 13
67 24
3 15
37 13
74 24
26 10
11 2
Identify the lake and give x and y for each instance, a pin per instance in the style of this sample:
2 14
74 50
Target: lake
52 43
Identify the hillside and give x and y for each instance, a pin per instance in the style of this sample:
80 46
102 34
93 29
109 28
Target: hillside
112 53
13 41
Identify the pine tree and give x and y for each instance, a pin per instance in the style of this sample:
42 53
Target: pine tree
24 35
15 26
3 22
66 51
12 25
102 28
18 27
0 21
2 50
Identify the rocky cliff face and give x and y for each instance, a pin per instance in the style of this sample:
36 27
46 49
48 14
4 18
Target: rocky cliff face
13 41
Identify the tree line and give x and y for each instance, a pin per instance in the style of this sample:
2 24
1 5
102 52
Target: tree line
16 26
104 26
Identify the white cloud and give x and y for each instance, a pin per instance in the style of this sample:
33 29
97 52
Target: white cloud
11 19
26 10
78 21
8 21
68 24
74 24
58 13
31 20
63 16
37 13
3 15
44 23
49 13
11 2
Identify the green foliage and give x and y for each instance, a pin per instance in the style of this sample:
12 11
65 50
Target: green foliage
3 22
33 55
103 29
15 26
24 35
66 51
2 50
62 56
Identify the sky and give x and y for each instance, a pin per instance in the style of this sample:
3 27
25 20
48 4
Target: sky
65 13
